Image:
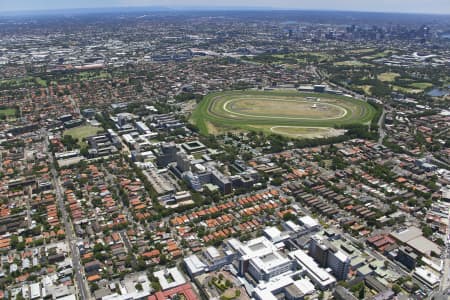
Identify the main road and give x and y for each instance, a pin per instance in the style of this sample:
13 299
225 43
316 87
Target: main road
381 132
71 239
445 284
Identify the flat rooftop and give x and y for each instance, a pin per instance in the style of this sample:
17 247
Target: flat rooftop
257 247
313 270
424 246
407 234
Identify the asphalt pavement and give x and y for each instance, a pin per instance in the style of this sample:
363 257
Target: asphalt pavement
71 239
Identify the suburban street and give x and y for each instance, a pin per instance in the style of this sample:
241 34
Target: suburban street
71 239
228 153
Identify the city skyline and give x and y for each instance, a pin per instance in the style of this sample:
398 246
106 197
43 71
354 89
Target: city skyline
414 6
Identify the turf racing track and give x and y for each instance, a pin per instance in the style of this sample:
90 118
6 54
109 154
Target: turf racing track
288 113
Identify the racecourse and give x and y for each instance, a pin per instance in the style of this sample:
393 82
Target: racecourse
288 113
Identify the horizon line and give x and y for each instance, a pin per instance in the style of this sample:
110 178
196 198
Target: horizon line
160 8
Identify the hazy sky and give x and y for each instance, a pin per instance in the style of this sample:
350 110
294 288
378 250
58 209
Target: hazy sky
425 6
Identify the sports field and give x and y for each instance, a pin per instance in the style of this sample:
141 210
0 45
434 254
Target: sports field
290 113
8 112
388 76
82 132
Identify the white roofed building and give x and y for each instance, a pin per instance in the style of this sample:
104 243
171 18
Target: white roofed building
169 278
260 258
319 276
194 265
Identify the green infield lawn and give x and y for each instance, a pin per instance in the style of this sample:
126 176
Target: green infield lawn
288 113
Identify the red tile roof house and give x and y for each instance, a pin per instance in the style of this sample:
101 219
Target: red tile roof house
185 289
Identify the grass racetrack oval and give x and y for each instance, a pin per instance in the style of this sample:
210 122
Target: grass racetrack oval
292 109
254 110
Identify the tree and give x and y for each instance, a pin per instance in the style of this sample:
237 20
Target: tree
84 151
247 156
440 242
69 142
156 285
321 295
434 254
228 283
19 296
427 231
14 241
277 181
139 287
20 246
362 292
357 287
396 288
98 247
380 90
162 259
289 217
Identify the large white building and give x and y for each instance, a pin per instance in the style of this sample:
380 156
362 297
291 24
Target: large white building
292 289
427 277
326 255
319 276
195 266
217 258
126 289
339 263
260 258
211 260
275 235
169 278
309 223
